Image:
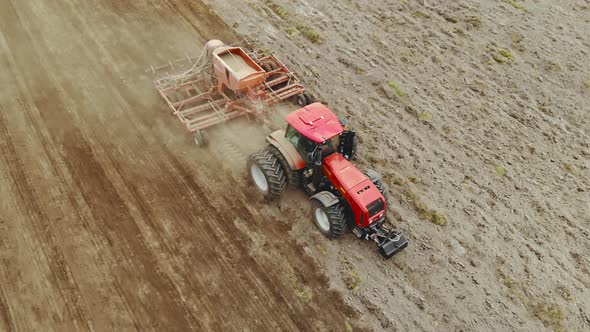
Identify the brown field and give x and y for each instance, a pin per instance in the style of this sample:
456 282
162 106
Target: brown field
475 111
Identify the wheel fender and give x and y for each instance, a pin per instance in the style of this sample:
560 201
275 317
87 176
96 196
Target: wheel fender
326 198
278 140
373 175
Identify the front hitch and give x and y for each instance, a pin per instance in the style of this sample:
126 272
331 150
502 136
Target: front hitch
389 242
394 242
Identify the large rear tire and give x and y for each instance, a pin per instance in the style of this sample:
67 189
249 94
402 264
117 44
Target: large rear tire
266 174
330 220
293 178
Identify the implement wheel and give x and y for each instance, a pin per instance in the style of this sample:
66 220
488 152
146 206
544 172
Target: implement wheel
330 220
304 99
200 138
267 174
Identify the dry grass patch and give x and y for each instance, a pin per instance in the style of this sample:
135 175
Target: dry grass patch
352 279
550 314
397 89
501 170
503 56
309 33
504 279
515 5
424 116
569 168
277 10
420 14
424 211
475 21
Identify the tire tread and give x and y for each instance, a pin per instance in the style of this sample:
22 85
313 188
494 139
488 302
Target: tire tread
272 169
337 217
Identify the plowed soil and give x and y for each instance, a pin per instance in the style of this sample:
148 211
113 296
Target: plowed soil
110 218
477 113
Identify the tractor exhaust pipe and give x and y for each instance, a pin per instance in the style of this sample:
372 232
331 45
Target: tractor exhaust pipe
317 169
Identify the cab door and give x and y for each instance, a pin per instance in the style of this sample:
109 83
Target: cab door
302 144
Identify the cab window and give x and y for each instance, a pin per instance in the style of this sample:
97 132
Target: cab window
302 144
292 135
330 146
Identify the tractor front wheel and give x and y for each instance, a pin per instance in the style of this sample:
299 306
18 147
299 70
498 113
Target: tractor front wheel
267 174
330 220
383 189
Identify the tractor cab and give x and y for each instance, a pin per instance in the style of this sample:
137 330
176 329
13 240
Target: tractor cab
315 129
307 147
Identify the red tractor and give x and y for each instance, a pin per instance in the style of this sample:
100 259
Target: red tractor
314 154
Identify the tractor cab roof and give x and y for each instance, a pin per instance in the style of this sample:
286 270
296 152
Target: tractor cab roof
315 122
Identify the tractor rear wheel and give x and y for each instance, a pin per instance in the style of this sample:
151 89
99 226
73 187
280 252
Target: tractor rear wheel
266 173
293 179
330 220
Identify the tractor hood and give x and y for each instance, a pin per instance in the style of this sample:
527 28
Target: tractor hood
356 187
315 122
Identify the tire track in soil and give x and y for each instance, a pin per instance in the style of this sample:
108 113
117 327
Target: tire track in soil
29 199
126 177
6 321
172 189
172 158
48 147
112 211
78 158
239 248
76 208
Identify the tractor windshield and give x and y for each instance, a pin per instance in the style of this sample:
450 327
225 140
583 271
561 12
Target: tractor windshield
330 146
303 144
375 207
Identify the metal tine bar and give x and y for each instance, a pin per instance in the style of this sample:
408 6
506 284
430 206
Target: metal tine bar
205 118
217 111
204 123
184 84
193 59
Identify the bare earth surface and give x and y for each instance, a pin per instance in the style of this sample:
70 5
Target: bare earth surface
477 112
110 218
